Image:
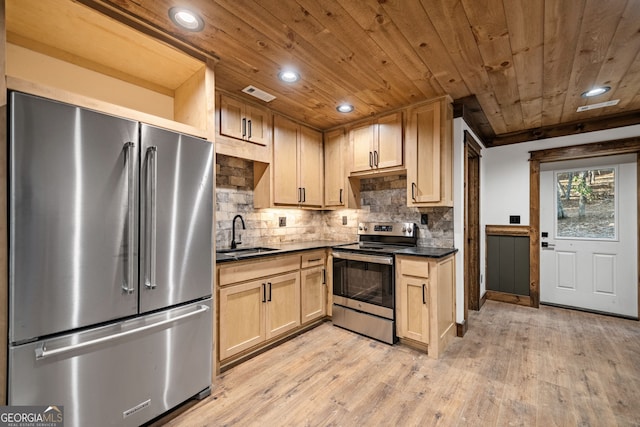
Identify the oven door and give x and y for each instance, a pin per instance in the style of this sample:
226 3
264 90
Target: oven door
364 282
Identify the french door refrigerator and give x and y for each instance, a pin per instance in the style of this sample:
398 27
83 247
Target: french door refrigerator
110 264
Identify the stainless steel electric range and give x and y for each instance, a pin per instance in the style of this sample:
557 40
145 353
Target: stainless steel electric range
364 279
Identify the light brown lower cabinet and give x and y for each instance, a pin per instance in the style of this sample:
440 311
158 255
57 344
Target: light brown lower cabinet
266 299
256 311
314 286
426 302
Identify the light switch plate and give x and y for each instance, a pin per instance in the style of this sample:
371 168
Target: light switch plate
344 220
282 221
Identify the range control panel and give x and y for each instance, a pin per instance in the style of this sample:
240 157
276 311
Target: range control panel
405 229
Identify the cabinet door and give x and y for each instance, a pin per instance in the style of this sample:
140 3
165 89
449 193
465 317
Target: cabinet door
413 311
242 314
389 136
310 166
257 125
283 304
231 118
314 294
286 190
423 157
334 173
361 147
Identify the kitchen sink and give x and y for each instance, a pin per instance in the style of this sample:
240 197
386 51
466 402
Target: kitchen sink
243 251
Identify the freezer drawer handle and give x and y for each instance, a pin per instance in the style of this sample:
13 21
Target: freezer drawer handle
43 353
129 148
150 279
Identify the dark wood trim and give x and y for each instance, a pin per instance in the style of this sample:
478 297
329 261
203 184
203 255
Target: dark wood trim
510 298
534 233
483 299
583 151
471 112
507 230
472 144
471 224
461 328
571 128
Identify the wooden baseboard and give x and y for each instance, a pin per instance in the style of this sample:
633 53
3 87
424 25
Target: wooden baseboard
483 299
461 328
510 298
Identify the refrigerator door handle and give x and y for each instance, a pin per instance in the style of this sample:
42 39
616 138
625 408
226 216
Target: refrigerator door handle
42 352
129 148
150 276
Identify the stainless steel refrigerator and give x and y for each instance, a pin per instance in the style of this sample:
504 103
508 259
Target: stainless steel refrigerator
110 264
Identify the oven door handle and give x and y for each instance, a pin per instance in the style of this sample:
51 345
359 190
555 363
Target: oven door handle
375 259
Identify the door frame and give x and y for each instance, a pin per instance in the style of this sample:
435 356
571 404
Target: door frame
582 151
472 157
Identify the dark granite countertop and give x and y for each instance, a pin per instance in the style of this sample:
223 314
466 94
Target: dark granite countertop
279 249
427 252
284 248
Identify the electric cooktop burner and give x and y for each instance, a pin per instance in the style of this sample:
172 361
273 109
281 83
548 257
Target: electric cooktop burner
383 237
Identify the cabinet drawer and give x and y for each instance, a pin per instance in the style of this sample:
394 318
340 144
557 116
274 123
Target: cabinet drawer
242 271
312 259
413 267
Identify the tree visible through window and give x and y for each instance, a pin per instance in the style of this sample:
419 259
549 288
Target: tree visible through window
585 204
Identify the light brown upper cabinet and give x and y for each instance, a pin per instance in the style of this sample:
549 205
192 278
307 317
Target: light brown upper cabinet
297 164
376 144
334 172
244 130
243 121
429 154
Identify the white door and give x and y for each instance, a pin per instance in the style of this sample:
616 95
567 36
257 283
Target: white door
588 225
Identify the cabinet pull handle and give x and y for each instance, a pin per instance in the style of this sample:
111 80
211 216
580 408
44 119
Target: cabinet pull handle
370 159
324 276
341 196
244 127
375 158
424 298
314 259
264 292
414 187
299 195
304 194
269 283
249 129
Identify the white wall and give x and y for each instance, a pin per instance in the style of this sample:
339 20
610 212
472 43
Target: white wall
504 178
459 126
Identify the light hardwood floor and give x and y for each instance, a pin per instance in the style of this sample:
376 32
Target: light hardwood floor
515 366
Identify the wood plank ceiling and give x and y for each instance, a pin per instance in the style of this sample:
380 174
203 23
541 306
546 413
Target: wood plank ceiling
524 62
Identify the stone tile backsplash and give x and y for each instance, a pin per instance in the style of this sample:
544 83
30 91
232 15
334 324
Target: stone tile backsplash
382 200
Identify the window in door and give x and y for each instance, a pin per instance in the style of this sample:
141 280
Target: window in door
586 204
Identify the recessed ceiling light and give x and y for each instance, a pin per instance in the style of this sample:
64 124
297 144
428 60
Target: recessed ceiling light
345 108
186 19
596 91
289 76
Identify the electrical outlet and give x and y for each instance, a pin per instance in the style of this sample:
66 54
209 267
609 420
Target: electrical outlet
282 221
424 219
344 220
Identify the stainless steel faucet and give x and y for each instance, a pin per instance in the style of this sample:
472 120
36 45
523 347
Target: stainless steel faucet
234 244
